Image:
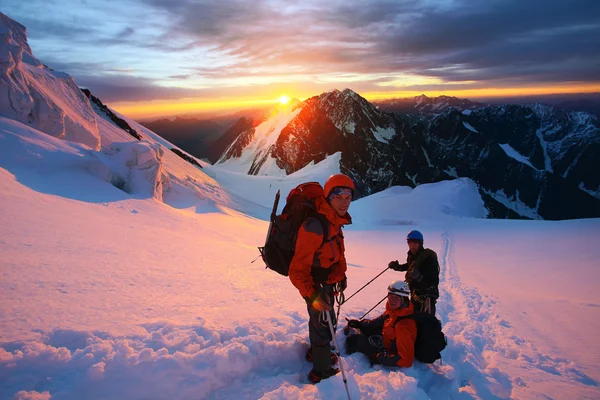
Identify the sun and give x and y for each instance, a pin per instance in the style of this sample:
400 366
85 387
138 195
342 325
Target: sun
283 99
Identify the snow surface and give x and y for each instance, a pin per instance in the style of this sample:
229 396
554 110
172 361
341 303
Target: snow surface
127 273
514 203
544 144
384 134
451 171
595 193
512 153
469 127
264 139
109 295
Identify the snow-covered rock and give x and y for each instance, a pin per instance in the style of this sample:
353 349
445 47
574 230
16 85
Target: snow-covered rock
137 168
39 97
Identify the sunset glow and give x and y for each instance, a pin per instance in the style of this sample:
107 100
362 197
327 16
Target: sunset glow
191 106
283 99
222 56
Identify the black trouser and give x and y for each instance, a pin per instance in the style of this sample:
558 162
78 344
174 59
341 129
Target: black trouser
356 341
319 332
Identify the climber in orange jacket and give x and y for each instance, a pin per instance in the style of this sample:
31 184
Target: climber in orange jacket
318 269
386 339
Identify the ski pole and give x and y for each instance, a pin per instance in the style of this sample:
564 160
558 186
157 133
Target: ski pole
337 351
365 314
271 220
345 300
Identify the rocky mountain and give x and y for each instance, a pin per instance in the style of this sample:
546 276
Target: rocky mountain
529 161
426 105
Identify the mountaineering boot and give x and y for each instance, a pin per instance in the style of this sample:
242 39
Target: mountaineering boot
316 377
321 358
321 364
332 356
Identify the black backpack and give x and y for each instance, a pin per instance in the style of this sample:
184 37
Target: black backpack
430 338
278 251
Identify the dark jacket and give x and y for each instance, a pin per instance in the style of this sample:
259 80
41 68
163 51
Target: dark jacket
422 273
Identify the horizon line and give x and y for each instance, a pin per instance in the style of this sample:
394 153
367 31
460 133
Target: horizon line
186 106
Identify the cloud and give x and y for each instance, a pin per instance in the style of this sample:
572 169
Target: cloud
545 40
220 44
533 40
125 88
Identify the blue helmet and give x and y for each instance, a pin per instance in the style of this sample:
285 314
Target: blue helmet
414 235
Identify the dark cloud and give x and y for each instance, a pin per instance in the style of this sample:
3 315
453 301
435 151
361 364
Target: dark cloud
180 76
532 40
215 18
496 40
74 68
125 88
125 33
41 29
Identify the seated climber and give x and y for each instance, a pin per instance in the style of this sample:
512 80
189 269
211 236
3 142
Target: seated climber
388 339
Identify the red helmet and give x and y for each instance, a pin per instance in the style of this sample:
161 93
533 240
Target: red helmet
337 180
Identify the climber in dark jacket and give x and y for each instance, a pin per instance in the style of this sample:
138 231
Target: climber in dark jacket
422 273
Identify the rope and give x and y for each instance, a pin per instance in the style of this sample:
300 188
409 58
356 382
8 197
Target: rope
365 314
367 284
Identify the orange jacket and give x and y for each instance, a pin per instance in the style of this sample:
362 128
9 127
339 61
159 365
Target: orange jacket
399 337
316 261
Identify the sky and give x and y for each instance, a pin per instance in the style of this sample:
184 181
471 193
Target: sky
146 57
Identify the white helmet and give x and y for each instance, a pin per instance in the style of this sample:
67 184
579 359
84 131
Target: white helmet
399 288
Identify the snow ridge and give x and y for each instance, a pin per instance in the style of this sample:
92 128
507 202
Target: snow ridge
34 95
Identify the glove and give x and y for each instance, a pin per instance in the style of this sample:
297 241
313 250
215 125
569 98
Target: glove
376 358
416 275
319 302
354 323
395 265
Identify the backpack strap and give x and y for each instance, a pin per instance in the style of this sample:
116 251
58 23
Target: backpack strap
410 316
324 223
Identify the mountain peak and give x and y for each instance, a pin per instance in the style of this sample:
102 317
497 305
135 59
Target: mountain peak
13 39
67 115
349 92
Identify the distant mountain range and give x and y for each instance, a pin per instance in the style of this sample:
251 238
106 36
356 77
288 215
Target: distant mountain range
426 105
529 161
208 136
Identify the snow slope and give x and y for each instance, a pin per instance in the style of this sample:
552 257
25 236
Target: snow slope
264 138
110 295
